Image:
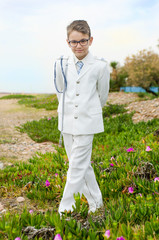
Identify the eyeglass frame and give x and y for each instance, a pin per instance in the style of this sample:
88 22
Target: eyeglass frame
78 42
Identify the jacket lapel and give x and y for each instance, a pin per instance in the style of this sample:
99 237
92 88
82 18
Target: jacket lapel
88 61
72 67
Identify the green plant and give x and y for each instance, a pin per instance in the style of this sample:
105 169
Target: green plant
17 96
48 102
43 130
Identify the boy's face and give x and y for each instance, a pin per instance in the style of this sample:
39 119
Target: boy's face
80 51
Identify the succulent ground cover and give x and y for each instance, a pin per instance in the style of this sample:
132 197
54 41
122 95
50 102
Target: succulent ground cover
125 160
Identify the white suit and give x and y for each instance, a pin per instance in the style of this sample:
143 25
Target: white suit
85 96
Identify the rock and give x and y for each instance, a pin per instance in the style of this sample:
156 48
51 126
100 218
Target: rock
45 233
20 199
3 211
1 207
1 165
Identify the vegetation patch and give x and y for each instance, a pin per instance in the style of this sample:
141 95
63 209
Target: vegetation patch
125 160
113 109
146 96
48 102
17 96
43 130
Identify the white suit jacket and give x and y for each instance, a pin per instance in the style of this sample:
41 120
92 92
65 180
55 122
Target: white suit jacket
85 96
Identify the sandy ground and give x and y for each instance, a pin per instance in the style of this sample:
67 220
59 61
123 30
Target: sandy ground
13 144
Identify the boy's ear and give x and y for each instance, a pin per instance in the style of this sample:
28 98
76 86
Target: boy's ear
67 42
90 41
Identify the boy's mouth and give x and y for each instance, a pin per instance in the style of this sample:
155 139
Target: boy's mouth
79 51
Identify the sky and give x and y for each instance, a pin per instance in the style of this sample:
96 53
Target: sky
33 36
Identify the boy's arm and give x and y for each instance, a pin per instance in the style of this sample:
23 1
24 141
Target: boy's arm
103 85
58 79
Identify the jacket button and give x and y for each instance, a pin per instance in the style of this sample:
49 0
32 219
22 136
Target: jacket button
78 82
75 117
77 94
76 105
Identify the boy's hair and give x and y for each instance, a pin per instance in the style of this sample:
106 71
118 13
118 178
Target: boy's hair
79 26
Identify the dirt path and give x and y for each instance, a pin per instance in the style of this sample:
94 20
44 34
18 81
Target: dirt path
13 144
18 146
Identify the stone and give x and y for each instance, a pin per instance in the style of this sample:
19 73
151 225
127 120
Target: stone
1 207
3 211
20 199
1 165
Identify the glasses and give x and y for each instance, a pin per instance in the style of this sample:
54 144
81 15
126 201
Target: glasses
82 42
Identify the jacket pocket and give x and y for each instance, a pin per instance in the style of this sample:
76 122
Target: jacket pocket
94 111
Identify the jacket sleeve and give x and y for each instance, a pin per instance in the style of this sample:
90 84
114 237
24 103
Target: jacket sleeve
58 79
103 84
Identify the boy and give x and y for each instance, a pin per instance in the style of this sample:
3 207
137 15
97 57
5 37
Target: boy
86 93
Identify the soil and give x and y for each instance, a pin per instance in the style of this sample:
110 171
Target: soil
13 144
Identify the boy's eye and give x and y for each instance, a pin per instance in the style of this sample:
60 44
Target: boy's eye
83 40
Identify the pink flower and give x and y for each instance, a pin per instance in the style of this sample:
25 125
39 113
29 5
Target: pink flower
49 118
107 234
140 194
130 189
148 149
156 179
130 150
56 174
111 164
58 237
47 183
18 238
120 238
112 158
31 211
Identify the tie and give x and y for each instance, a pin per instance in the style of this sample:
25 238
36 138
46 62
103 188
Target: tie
79 65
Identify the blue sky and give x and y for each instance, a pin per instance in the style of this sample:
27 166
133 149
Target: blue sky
33 35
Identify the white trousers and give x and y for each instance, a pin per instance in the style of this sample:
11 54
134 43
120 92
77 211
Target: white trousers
80 175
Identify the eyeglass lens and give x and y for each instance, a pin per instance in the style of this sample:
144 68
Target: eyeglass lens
82 42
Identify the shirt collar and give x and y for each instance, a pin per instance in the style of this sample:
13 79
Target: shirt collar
84 60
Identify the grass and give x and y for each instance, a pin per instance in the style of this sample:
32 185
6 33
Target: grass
113 109
48 102
3 141
146 96
17 96
43 130
135 216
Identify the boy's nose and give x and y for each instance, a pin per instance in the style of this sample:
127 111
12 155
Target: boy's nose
78 44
